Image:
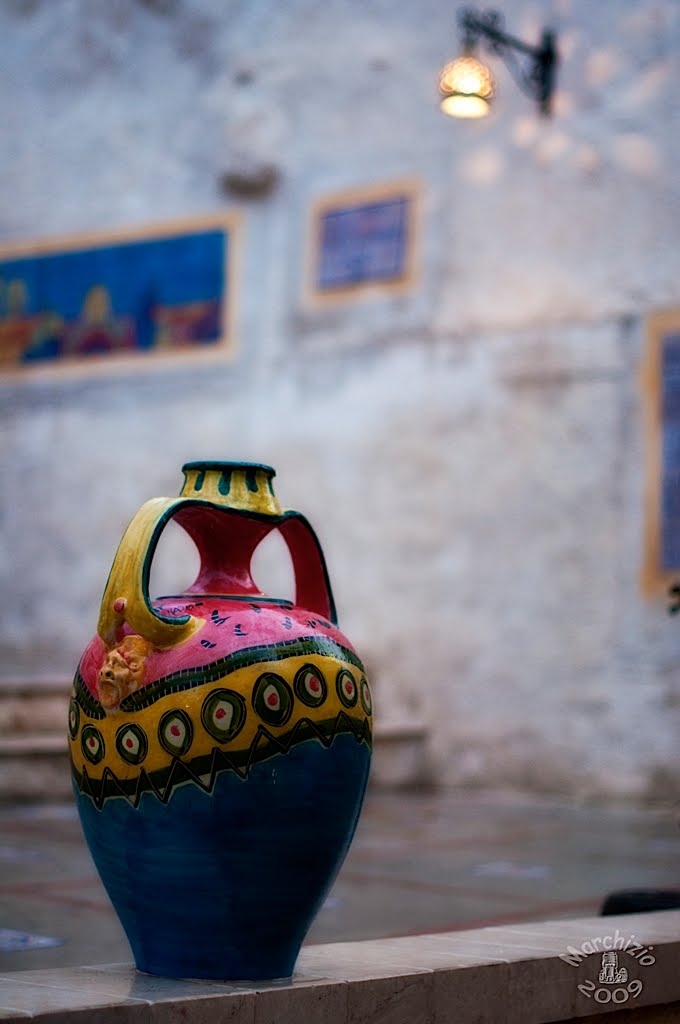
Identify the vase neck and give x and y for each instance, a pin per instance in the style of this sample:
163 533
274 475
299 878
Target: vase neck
226 543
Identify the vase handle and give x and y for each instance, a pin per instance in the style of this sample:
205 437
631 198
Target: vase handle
312 585
126 597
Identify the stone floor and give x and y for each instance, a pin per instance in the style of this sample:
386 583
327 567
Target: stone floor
420 862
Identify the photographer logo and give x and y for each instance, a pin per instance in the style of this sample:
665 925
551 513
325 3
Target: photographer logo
614 977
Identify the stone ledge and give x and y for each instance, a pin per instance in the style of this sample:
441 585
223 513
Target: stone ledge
509 975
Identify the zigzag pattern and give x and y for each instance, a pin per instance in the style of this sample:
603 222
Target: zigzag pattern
203 771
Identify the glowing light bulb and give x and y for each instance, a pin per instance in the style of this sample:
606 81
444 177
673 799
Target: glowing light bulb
467 88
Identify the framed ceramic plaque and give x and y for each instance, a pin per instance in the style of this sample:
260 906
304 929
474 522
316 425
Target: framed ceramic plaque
363 240
661 383
163 291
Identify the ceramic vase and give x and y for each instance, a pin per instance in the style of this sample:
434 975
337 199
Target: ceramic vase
219 739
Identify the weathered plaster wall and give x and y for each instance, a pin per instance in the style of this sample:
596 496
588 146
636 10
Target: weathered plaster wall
470 451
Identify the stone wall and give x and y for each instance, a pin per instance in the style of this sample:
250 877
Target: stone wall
470 450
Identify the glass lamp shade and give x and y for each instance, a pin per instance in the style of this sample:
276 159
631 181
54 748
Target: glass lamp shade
467 87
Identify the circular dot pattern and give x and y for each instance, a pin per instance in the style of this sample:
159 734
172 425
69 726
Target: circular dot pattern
92 744
273 699
131 743
175 732
223 714
73 719
346 687
365 695
310 686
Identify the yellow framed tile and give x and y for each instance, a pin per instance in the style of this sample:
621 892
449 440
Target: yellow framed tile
121 299
660 379
363 241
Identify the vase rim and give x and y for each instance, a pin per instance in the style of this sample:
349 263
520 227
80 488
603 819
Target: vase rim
212 464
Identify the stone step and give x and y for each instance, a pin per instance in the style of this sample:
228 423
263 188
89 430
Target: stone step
33 747
34 684
34 706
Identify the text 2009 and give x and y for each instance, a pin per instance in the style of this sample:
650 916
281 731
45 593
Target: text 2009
620 994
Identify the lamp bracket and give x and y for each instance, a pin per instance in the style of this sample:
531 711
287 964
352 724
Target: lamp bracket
537 76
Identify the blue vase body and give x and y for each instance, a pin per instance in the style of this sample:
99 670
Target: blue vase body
226 884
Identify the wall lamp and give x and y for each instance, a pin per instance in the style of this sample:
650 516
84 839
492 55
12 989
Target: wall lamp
467 86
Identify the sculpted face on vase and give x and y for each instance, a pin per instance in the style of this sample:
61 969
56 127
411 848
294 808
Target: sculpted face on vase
122 671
